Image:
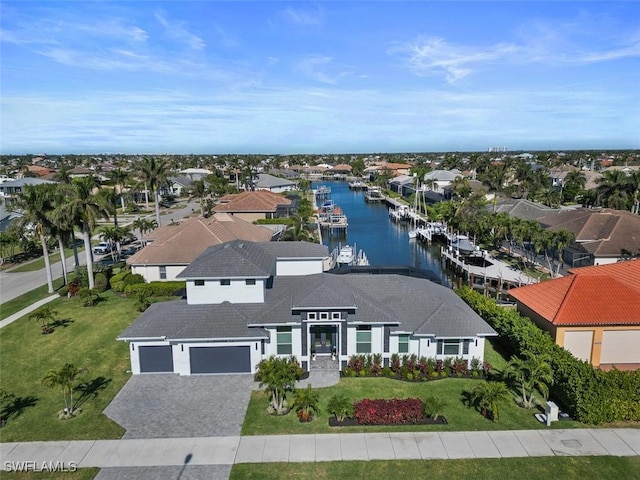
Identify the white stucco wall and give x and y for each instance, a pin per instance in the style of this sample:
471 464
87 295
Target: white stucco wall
212 292
289 267
271 348
151 273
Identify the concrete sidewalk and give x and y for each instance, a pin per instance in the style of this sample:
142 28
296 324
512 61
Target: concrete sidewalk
326 447
27 310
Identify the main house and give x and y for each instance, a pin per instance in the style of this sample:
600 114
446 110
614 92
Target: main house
247 301
594 312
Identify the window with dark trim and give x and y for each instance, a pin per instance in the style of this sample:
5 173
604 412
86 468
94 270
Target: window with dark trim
163 272
403 343
363 339
250 281
283 340
198 283
226 282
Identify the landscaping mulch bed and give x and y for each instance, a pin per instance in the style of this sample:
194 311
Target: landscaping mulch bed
353 422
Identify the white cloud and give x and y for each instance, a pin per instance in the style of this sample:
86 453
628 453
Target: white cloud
303 18
430 56
178 31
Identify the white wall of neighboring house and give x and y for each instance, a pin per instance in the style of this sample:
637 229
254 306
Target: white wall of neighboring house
289 267
151 273
212 292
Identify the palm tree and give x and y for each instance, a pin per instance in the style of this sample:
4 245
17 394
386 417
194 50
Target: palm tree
530 373
46 316
278 374
153 174
297 231
574 183
36 203
120 178
65 378
616 190
199 190
114 235
489 396
144 225
85 207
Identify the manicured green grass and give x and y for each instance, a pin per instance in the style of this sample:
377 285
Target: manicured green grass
88 340
460 417
551 468
80 474
12 306
39 263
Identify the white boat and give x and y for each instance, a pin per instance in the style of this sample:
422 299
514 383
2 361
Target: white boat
346 255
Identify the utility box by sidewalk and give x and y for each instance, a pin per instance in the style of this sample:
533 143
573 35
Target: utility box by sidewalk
551 412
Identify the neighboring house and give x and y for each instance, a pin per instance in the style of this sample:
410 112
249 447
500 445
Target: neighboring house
403 184
11 189
255 205
394 168
7 216
247 301
274 184
179 186
195 173
594 312
439 179
171 248
601 236
521 208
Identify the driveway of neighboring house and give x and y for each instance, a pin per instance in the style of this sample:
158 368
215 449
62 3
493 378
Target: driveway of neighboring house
166 405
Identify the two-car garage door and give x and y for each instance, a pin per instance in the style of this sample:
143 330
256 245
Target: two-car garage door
223 359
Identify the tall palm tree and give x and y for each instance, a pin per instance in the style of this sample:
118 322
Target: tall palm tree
120 178
36 203
86 207
154 172
199 190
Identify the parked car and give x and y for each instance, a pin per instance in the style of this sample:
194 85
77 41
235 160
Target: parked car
102 248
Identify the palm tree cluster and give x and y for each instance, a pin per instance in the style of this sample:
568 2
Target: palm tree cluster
618 190
56 210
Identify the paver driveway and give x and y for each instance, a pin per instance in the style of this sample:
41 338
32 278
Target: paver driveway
167 405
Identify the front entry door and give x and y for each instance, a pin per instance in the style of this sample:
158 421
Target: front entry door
323 338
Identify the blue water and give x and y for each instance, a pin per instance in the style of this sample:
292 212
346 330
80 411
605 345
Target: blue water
385 242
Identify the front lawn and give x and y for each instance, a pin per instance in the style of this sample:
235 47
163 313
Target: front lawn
565 468
10 307
459 416
457 413
88 340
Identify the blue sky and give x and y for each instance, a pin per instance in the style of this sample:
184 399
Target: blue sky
318 77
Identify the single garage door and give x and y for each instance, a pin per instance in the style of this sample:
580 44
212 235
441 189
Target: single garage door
156 359
220 359
620 346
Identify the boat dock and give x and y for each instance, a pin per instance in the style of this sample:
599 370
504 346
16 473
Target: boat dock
484 272
373 195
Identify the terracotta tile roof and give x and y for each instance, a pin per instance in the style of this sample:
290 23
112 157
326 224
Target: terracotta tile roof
181 244
598 295
258 201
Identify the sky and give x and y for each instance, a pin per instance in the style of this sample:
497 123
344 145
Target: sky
318 77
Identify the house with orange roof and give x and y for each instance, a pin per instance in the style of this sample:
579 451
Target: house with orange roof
255 205
171 248
594 312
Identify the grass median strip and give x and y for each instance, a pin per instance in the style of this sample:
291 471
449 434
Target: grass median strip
565 468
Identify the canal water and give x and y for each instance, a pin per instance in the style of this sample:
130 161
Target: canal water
386 243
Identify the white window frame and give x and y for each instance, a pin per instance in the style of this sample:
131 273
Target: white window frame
312 316
336 316
284 330
324 315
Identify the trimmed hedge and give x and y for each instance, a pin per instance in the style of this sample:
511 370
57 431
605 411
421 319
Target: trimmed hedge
589 394
154 289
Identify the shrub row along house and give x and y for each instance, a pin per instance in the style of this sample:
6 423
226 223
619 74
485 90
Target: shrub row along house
247 301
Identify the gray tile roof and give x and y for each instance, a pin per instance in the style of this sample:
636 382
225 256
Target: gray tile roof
240 258
233 259
270 181
176 320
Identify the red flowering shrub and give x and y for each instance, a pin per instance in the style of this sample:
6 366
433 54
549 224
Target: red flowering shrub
389 412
